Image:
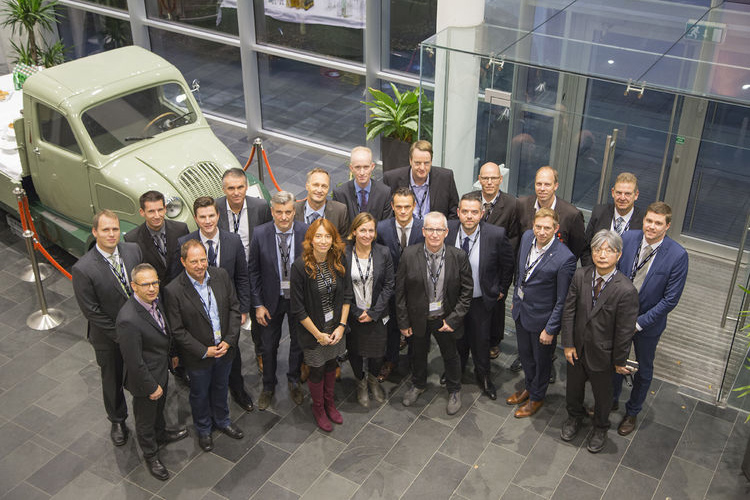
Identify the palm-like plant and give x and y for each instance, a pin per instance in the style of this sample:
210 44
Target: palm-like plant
25 15
399 118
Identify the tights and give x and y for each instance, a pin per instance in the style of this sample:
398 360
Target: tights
317 372
358 362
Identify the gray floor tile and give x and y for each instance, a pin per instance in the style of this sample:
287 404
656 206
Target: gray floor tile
571 488
34 418
670 408
513 492
330 486
21 463
545 465
308 462
439 479
651 448
628 483
728 414
683 479
118 461
25 491
365 451
417 445
249 474
89 446
86 486
436 409
126 490
598 469
70 393
273 491
491 474
55 474
703 440
396 417
385 482
12 436
520 434
255 425
67 428
468 440
196 479
63 367
30 389
292 430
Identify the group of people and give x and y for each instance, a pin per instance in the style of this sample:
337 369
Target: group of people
379 267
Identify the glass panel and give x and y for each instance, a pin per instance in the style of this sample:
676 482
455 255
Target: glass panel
408 22
116 4
85 33
327 27
312 102
55 129
216 66
214 15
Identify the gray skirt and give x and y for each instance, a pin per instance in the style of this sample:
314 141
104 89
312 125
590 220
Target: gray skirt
318 355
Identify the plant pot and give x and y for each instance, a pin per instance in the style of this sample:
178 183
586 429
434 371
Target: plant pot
394 152
746 461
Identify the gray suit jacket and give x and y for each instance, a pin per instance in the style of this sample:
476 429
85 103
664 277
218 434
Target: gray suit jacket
335 212
378 203
258 212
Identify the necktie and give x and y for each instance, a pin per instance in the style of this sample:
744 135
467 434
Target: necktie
211 254
433 264
640 275
118 273
313 217
284 253
362 200
598 288
161 246
465 244
158 317
619 225
403 238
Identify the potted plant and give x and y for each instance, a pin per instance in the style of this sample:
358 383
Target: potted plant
745 390
397 121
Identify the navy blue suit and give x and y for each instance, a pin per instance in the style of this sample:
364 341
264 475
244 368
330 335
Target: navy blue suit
540 309
659 294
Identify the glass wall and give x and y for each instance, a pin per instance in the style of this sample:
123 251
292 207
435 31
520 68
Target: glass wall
85 33
408 23
210 15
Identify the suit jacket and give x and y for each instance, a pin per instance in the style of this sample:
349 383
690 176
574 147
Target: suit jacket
412 302
505 214
378 203
265 282
231 258
258 212
388 237
383 282
601 332
571 230
662 288
145 348
496 258
545 290
99 293
443 192
142 237
191 326
334 211
601 218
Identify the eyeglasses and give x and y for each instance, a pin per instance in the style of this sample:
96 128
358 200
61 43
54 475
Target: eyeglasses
608 251
434 230
493 179
154 284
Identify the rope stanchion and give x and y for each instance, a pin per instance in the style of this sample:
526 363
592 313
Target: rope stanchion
258 144
270 172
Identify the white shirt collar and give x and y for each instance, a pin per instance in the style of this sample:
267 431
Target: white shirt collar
537 206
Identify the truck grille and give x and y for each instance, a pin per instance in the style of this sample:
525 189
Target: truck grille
201 179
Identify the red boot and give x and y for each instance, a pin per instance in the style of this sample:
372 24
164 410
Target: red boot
316 394
329 381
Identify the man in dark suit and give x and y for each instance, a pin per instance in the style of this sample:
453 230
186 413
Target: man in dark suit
363 193
317 205
204 314
101 288
491 258
434 187
658 267
624 194
433 294
397 233
225 250
157 236
597 327
245 213
146 345
545 268
499 210
275 246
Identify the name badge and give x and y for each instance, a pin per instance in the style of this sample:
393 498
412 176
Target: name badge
436 306
385 320
520 293
285 285
328 316
217 337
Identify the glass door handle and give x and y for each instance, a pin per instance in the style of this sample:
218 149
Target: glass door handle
609 158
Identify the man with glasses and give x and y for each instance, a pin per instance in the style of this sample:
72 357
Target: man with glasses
363 193
318 206
434 287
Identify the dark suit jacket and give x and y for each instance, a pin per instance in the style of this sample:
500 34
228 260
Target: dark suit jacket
258 212
388 237
305 301
496 258
99 293
142 237
546 288
443 192
505 214
601 218
335 212
383 282
601 333
231 259
265 282
571 230
191 326
412 302
378 203
662 288
145 348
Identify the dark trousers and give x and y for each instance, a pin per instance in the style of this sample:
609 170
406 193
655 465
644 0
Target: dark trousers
236 382
447 344
358 363
271 335
111 366
575 391
645 350
536 360
208 395
476 339
256 333
149 422
497 326
393 340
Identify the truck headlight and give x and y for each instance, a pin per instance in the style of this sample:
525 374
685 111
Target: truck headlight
174 207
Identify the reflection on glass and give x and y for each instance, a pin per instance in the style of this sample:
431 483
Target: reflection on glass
116 4
214 15
85 33
216 66
410 22
312 102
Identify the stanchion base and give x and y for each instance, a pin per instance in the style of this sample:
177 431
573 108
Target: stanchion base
27 275
39 321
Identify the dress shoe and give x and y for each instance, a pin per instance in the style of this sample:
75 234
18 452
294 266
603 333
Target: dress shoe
626 426
494 351
410 396
295 391
259 360
385 371
172 435
515 366
232 431
304 372
402 343
442 378
157 469
488 388
264 401
243 400
570 428
517 398
454 403
119 433
528 409
206 442
597 440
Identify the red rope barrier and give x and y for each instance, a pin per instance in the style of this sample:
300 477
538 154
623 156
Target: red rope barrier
27 223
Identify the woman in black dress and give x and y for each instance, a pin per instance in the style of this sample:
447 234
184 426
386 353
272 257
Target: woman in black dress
320 298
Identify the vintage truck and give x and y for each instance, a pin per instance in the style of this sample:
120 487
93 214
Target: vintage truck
99 131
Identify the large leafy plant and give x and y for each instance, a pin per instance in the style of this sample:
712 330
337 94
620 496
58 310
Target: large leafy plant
398 117
24 17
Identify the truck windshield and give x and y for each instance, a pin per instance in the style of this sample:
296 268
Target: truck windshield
139 116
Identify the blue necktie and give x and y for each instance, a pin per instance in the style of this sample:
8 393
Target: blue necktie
465 245
211 254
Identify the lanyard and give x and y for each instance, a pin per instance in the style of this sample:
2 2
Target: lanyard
120 275
434 277
363 278
473 242
236 218
207 307
420 203
637 267
284 256
530 267
604 285
328 282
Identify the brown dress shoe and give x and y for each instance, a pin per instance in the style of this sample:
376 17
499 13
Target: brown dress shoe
494 351
626 426
385 371
517 398
528 409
